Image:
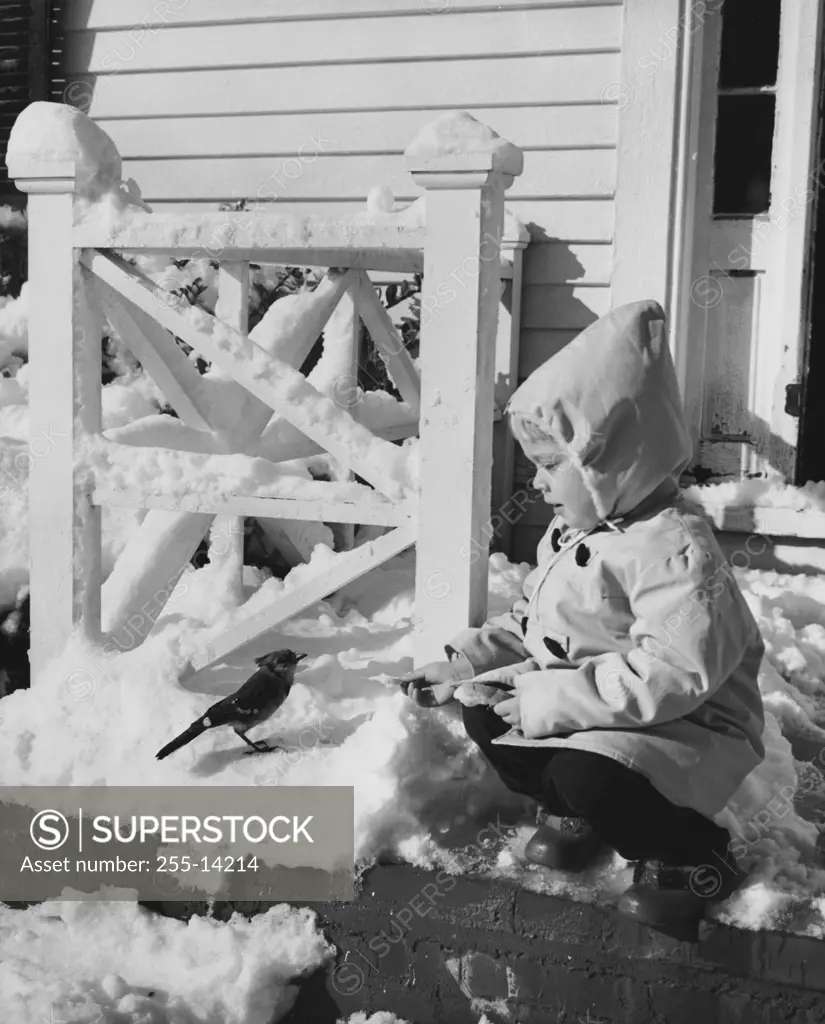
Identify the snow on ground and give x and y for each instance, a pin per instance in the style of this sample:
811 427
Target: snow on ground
421 793
771 492
115 963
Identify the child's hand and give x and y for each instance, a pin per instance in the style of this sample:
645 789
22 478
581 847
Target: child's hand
506 676
510 711
431 685
472 694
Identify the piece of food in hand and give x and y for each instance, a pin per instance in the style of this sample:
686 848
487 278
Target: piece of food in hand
471 693
486 688
430 685
430 695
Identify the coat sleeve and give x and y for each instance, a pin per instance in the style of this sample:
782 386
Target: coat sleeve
496 644
500 641
692 628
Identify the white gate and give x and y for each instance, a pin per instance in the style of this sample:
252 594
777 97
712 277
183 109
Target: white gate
260 407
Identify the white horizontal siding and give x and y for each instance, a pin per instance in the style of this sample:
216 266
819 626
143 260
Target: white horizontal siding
368 131
108 14
558 174
562 306
376 39
557 263
310 103
462 82
538 345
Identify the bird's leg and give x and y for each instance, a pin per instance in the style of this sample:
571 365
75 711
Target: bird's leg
258 746
255 745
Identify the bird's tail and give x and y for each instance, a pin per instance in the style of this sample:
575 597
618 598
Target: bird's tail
195 729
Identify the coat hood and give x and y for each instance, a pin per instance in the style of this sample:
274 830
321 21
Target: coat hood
610 400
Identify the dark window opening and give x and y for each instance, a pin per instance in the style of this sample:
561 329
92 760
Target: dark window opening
748 68
750 43
744 144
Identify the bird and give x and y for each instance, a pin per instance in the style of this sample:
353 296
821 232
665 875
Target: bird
252 703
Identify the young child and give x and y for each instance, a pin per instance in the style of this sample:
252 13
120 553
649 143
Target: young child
634 712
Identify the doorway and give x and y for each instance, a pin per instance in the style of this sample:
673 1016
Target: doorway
811 461
758 132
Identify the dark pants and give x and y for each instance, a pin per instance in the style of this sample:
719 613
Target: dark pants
621 805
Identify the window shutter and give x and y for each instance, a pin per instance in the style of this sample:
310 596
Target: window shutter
26 63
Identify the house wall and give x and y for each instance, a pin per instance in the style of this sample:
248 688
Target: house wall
314 101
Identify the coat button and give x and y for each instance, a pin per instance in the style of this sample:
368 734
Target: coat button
555 648
582 554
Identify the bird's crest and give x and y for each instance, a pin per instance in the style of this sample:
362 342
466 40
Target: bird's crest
279 659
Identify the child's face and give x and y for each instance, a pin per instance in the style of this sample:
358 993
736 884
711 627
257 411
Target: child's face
561 485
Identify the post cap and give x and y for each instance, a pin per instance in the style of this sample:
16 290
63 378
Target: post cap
455 143
54 140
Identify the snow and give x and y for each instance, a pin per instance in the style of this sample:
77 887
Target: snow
382 1017
122 404
207 477
116 963
116 216
380 199
455 138
420 791
162 431
58 140
377 410
772 492
55 133
310 411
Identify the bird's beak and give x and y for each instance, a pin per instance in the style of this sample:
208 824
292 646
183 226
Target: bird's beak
300 657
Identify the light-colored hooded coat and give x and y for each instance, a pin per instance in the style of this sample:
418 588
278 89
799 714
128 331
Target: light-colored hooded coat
648 652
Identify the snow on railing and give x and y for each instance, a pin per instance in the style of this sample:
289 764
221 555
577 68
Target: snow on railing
229 452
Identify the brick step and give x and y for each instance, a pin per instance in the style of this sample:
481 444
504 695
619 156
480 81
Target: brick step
436 949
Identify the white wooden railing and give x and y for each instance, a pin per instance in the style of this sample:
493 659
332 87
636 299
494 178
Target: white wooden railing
260 406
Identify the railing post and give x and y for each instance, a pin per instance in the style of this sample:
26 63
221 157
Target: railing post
465 168
233 308
345 392
64 400
506 381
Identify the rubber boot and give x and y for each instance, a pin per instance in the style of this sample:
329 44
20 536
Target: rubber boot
673 899
566 844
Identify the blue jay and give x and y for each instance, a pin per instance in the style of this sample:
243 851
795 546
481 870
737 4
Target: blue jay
252 703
